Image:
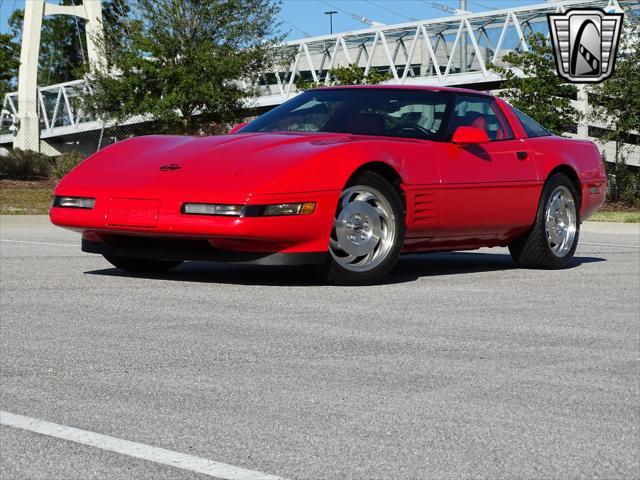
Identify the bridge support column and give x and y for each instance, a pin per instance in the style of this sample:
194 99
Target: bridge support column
28 135
583 108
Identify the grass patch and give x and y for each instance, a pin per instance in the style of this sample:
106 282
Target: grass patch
622 217
25 198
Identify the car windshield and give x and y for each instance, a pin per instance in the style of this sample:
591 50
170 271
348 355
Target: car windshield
366 111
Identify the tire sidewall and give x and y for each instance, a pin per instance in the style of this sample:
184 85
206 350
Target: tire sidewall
557 180
336 273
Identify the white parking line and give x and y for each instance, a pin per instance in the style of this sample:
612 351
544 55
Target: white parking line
39 243
610 245
133 449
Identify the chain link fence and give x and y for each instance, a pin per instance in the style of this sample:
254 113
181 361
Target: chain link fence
628 152
88 139
622 162
56 137
63 132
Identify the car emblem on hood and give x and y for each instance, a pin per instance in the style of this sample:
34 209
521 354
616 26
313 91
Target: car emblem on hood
169 167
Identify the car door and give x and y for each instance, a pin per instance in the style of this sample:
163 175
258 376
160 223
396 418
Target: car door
488 188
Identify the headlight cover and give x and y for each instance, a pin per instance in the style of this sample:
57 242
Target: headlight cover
213 209
281 209
74 202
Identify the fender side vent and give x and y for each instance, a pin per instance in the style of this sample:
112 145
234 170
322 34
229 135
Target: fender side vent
424 208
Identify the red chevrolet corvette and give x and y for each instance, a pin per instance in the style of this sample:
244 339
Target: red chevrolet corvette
344 178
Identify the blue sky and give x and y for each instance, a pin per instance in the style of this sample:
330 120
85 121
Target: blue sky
308 15
298 16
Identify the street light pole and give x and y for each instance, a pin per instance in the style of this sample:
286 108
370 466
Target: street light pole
463 42
331 14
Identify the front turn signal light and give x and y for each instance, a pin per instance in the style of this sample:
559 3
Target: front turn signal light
289 209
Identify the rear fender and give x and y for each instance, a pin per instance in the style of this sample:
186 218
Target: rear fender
578 158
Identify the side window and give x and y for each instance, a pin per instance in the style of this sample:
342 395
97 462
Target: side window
531 127
472 111
407 116
426 115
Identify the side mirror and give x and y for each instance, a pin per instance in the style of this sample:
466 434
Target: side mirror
470 135
236 128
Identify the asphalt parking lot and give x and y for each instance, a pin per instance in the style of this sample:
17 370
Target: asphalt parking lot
459 366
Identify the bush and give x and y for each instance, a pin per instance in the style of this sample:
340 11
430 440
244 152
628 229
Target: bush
624 183
25 165
631 192
65 163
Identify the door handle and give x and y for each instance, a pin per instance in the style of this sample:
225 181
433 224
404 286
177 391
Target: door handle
522 155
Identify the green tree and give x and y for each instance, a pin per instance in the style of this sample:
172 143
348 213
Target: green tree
184 62
350 75
534 86
9 63
115 15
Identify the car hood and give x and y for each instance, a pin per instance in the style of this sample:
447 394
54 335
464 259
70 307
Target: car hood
196 162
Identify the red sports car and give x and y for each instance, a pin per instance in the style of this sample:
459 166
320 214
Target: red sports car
344 178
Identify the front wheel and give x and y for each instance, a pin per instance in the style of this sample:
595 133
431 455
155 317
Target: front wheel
141 265
367 232
552 241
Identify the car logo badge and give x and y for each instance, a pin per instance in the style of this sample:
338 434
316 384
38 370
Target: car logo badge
585 43
169 167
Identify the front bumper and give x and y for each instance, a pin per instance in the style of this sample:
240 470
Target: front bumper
256 235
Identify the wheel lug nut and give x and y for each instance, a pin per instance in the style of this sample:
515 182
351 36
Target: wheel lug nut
365 225
352 237
363 236
357 217
349 225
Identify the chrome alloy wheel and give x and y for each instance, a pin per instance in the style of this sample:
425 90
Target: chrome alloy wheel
364 229
560 221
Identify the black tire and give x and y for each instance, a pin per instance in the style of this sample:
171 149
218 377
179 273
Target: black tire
533 250
141 265
333 272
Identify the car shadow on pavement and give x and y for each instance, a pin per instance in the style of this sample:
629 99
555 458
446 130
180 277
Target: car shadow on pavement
412 267
408 269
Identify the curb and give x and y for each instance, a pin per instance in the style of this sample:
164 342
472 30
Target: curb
611 228
24 221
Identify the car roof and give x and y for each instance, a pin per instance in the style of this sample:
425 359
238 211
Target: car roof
431 88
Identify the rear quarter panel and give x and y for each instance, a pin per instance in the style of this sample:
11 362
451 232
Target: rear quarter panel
583 157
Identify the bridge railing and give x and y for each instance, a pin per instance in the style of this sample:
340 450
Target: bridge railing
59 110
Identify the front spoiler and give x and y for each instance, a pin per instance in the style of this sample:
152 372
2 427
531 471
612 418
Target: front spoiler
176 249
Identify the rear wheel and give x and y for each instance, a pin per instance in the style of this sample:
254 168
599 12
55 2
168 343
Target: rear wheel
552 241
141 265
367 233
